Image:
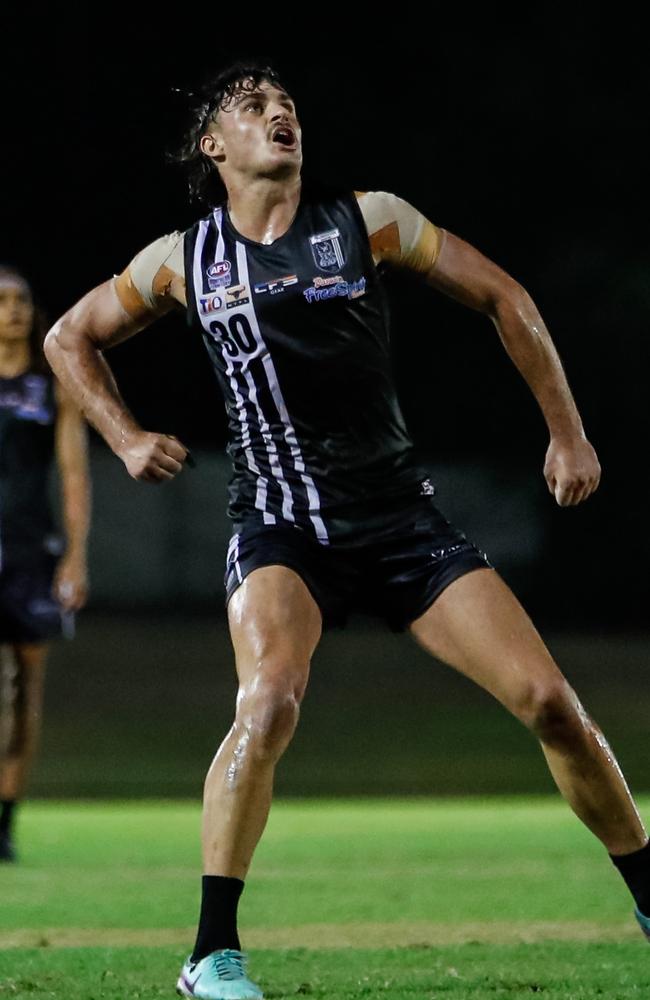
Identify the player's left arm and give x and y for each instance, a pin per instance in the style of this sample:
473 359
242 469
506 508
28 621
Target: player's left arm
71 443
402 236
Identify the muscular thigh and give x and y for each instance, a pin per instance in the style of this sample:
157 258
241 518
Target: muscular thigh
275 625
479 627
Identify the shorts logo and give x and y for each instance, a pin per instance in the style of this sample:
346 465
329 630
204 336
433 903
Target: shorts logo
237 295
326 250
218 274
277 285
427 489
210 304
450 550
338 289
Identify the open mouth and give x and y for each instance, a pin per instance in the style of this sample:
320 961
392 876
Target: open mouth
284 136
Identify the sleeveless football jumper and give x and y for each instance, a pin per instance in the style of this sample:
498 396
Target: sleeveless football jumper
297 333
27 416
29 546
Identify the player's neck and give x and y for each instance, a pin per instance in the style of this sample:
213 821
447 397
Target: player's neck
14 357
263 210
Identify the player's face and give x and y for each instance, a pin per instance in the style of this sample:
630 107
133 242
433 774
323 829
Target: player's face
16 309
260 134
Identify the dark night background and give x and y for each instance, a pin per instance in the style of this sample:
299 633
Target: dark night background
528 140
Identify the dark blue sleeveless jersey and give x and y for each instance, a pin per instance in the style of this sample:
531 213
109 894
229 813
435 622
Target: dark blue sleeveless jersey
298 334
27 419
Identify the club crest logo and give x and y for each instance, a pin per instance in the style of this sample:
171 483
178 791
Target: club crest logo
326 250
218 274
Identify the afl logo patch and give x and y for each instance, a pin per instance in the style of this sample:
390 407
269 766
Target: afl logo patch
326 250
218 274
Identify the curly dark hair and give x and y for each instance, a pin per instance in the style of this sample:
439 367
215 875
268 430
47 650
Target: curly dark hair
38 361
215 94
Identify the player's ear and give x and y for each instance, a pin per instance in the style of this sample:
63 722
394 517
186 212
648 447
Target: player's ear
212 144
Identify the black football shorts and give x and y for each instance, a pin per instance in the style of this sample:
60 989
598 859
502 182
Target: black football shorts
394 568
28 611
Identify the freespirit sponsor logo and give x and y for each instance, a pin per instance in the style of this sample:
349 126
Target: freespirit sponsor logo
340 289
218 274
277 285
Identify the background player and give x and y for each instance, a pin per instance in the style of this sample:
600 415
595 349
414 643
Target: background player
39 586
283 285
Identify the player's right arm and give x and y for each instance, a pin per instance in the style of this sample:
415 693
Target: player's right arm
107 315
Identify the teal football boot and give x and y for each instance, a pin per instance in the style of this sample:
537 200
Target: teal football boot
644 922
219 976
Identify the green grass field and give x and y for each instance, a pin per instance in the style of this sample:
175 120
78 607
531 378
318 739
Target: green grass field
403 899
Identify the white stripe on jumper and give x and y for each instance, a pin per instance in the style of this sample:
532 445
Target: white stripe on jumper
276 392
262 483
265 431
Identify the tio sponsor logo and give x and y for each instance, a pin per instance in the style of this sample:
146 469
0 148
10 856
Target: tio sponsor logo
210 304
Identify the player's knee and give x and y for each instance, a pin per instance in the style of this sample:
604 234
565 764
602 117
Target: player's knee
268 712
552 711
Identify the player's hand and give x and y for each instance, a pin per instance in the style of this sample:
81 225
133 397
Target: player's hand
153 458
571 470
70 586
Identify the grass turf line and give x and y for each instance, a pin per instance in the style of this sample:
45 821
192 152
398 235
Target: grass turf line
555 971
481 870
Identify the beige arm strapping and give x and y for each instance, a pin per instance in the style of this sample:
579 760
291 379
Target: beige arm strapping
154 279
398 233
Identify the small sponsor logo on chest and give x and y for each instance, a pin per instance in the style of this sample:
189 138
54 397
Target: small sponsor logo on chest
210 304
237 295
276 285
234 295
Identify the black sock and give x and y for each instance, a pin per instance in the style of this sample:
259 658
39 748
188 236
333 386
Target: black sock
218 920
7 810
635 869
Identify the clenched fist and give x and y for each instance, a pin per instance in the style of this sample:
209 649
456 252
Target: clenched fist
152 458
571 470
70 584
